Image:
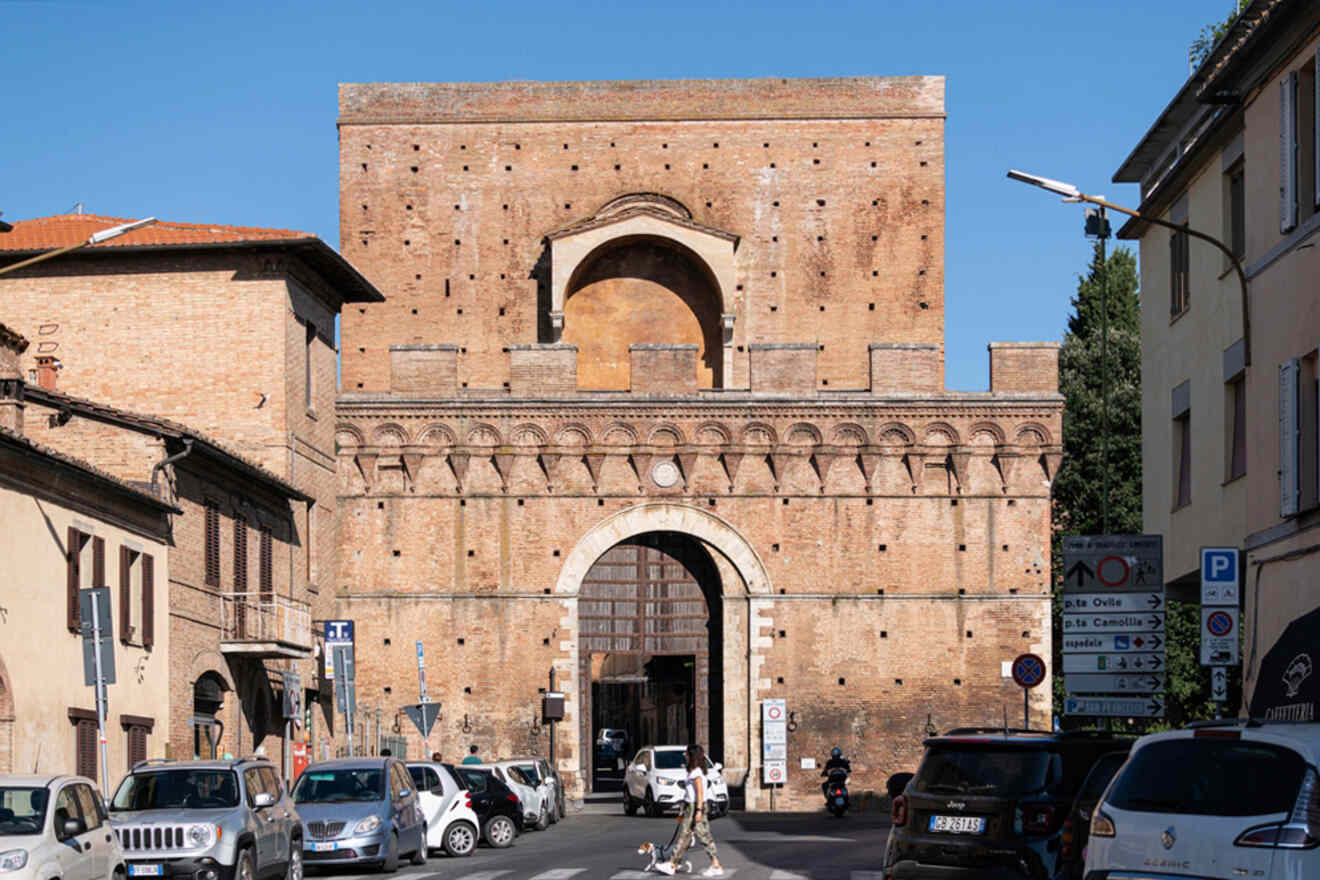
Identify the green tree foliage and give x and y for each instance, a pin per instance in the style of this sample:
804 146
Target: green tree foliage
1210 35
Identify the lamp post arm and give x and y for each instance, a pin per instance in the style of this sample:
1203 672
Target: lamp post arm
41 258
1232 258
95 238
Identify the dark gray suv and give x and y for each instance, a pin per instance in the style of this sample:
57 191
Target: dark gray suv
207 820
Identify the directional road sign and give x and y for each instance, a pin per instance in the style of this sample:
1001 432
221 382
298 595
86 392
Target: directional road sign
423 715
1113 563
1103 683
1074 603
1113 663
1219 576
89 643
337 632
774 732
1028 670
1219 684
1131 707
1219 637
1106 623
1105 642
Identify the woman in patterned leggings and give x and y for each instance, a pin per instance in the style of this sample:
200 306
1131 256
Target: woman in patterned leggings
694 818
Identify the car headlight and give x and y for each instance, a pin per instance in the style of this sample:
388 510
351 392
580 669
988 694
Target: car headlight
367 825
201 835
12 860
666 780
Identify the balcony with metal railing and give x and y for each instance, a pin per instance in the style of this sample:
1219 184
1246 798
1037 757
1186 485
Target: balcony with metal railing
265 626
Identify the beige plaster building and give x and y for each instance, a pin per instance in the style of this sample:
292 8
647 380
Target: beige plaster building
1229 393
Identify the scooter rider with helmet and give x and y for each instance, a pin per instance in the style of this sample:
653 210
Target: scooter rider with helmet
836 763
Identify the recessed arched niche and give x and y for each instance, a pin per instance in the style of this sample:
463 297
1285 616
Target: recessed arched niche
641 271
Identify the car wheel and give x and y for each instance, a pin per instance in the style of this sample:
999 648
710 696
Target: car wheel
243 869
460 839
419 857
295 869
542 819
391 863
500 832
629 805
652 808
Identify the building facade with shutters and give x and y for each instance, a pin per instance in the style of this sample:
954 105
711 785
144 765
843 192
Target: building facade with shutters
1231 453
199 361
654 410
68 526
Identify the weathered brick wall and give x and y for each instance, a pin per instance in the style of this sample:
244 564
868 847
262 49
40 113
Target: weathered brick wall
421 370
547 370
905 367
784 368
1024 366
836 188
659 368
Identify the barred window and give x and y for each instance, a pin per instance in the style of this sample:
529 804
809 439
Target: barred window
240 555
212 544
267 569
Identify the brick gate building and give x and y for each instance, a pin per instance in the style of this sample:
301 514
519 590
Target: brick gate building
658 385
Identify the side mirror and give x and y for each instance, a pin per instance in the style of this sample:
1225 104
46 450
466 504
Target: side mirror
73 827
263 799
897 783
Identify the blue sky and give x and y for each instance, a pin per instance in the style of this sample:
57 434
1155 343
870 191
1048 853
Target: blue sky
225 112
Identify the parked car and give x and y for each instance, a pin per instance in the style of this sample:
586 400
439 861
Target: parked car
498 809
656 781
614 737
207 820
548 785
1222 799
451 824
54 827
535 798
990 802
360 811
1077 827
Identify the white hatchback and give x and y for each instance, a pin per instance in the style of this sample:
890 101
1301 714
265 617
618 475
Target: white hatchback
1218 800
451 823
56 827
655 781
535 798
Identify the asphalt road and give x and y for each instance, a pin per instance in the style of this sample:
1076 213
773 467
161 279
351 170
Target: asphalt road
595 846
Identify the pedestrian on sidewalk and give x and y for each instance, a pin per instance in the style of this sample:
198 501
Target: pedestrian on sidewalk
694 821
472 755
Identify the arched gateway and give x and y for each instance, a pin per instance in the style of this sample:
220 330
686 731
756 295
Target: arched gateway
652 655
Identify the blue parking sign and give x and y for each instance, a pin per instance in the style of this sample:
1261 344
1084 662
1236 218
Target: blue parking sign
1219 576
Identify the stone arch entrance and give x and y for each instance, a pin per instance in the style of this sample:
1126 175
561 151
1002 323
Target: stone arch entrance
650 651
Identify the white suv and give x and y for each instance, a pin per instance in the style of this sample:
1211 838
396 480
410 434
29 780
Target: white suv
56 827
1224 799
657 777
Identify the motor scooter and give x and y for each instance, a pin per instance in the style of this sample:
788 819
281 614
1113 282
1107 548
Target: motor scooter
836 791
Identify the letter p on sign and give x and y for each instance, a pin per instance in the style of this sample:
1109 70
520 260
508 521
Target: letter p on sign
1219 576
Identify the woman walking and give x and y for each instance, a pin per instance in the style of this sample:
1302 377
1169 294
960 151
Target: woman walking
694 818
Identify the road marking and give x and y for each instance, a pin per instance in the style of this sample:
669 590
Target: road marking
558 874
867 875
484 875
781 874
631 875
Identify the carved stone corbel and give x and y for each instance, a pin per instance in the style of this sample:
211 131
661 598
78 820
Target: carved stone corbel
595 462
731 460
366 464
868 462
960 457
1050 460
1006 461
821 462
916 466
687 463
458 463
503 462
641 463
412 468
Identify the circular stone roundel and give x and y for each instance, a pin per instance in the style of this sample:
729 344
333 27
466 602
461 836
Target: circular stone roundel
665 474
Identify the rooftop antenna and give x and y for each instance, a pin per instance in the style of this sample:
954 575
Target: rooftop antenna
78 208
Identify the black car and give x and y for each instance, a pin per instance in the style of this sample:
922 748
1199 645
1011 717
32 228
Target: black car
990 803
498 809
1077 827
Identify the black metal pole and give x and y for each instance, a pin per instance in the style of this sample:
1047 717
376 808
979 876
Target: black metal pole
552 723
1026 709
1104 375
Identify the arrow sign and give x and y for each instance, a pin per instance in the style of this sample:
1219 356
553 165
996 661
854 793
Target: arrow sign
1081 572
1117 662
1100 643
1082 683
1101 623
1219 684
1075 603
1131 707
423 715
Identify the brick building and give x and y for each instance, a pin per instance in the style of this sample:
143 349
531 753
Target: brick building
657 396
199 361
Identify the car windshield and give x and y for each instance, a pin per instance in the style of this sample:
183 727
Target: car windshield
1209 777
529 770
177 789
22 810
338 786
986 771
671 760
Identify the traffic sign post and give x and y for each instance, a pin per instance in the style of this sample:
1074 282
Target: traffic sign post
774 739
1113 623
1219 637
1219 576
423 716
1028 671
339 653
93 620
1219 684
1123 707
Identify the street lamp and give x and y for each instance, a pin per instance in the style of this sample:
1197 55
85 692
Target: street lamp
94 238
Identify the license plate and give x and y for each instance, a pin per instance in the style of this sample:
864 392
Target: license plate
958 824
324 847
144 870
839 801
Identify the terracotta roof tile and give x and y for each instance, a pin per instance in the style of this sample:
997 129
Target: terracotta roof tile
78 464
62 230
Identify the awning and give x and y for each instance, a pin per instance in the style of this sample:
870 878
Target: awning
1287 688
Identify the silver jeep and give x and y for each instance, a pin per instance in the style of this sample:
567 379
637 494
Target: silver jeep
207 820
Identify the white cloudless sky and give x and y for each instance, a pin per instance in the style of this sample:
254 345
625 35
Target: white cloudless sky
225 112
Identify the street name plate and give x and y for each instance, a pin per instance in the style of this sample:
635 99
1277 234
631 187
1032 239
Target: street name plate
1113 663
1113 563
1109 623
1104 683
1130 707
1074 603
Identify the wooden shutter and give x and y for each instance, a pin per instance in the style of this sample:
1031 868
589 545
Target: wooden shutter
98 562
85 759
148 601
240 555
1288 152
1289 447
212 542
137 744
125 593
73 562
267 570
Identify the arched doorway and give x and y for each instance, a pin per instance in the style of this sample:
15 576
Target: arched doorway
642 289
208 730
650 652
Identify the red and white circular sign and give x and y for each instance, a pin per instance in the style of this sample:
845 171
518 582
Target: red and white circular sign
776 774
774 713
